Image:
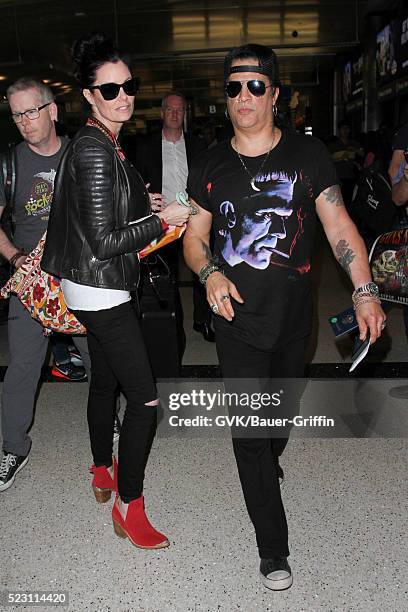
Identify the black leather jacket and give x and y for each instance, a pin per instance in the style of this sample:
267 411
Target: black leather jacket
89 239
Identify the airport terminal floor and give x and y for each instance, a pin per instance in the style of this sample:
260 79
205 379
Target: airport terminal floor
345 500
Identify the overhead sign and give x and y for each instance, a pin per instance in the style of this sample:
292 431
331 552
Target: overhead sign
387 41
353 78
347 82
357 76
403 59
392 51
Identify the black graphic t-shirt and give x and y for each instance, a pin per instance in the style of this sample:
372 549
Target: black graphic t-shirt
34 189
264 230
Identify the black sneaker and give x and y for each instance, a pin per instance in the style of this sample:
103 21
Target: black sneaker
69 371
116 429
9 467
276 573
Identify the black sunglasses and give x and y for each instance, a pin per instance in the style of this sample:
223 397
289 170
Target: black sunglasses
110 91
255 87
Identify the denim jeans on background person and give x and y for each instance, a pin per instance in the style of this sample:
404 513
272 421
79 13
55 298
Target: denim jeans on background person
27 351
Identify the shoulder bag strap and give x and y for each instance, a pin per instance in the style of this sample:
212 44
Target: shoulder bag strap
9 172
8 163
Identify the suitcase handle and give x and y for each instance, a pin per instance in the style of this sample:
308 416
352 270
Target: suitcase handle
157 260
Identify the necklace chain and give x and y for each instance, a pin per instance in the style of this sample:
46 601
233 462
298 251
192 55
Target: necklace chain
252 177
98 124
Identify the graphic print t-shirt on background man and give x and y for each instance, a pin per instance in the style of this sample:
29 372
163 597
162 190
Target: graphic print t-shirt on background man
264 231
34 190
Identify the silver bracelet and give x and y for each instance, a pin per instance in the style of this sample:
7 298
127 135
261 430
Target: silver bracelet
365 300
368 290
205 272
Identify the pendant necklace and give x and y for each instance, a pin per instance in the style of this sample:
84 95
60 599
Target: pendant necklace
252 177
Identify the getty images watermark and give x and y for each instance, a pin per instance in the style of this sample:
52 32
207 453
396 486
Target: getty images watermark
272 408
209 401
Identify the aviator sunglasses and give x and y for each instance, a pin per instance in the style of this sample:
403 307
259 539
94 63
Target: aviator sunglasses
255 87
110 91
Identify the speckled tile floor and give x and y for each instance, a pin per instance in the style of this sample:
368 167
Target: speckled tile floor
345 499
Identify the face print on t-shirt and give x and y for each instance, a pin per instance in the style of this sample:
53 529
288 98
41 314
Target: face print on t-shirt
263 222
253 236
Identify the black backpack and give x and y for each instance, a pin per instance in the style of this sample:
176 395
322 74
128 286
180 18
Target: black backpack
372 206
8 170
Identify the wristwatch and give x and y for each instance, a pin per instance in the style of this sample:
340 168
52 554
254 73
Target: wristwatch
368 289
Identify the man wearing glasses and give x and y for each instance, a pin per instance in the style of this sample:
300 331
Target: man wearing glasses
36 161
260 192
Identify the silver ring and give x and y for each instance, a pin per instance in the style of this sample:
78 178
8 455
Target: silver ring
224 297
214 308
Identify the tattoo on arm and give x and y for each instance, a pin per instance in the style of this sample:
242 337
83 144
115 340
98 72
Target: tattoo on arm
345 255
212 259
333 195
207 251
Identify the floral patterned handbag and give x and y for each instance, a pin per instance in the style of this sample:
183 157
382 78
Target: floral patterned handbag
41 294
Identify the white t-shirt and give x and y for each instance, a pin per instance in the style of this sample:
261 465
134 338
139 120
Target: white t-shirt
175 169
83 297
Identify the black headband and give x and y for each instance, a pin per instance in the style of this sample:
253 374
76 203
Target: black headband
250 68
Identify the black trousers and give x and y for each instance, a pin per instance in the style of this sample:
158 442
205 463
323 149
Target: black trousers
256 457
202 311
118 356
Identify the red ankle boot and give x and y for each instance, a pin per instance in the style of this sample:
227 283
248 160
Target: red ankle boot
136 527
103 484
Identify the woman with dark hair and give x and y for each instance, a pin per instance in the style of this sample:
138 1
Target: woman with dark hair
100 218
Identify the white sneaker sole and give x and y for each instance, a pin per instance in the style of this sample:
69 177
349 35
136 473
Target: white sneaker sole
277 585
8 484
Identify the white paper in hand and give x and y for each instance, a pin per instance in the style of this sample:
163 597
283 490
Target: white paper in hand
359 354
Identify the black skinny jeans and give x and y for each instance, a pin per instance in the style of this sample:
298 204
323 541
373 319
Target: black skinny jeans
256 457
118 356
